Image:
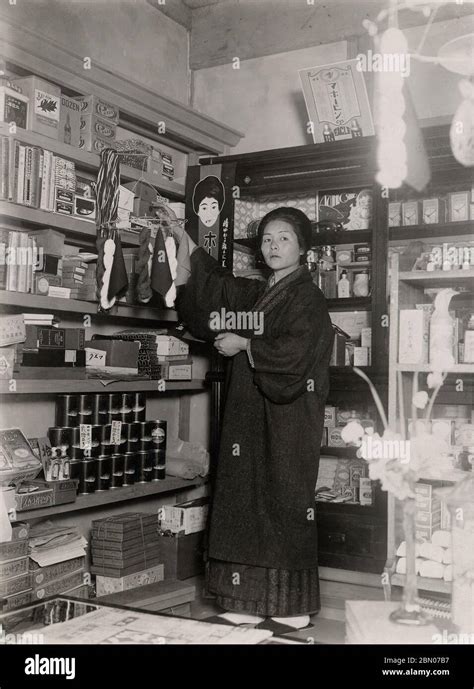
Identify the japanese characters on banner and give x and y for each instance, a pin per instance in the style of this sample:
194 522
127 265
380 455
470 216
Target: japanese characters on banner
209 210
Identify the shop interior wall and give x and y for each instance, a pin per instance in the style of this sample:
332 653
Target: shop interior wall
263 97
128 36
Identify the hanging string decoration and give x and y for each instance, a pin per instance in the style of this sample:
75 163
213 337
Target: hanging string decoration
112 280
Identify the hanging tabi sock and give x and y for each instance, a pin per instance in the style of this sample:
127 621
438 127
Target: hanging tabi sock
161 280
118 283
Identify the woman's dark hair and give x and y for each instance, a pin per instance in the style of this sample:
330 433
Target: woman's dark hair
209 187
298 220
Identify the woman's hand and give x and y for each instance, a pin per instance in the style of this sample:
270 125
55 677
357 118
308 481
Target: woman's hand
229 344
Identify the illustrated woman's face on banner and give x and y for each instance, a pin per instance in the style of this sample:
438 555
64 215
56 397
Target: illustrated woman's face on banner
208 211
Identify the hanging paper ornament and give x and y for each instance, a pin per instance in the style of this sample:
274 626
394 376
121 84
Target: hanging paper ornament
170 246
108 259
461 133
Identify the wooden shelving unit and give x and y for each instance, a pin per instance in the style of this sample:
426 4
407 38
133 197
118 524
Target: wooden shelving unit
439 278
430 231
424 584
55 305
350 304
425 368
188 132
52 386
109 497
90 161
342 452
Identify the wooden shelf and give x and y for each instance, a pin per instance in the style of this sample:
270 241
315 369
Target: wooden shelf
452 476
426 231
349 304
342 452
90 161
448 278
342 237
425 368
52 386
423 583
66 223
346 508
100 499
53 304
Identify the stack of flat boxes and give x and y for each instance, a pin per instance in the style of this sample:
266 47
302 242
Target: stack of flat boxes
15 584
428 511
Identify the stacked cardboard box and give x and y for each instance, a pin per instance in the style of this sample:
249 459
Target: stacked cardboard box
125 544
15 585
428 511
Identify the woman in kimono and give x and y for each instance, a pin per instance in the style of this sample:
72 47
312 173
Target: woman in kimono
262 550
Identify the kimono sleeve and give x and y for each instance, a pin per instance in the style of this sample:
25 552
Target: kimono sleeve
211 288
284 364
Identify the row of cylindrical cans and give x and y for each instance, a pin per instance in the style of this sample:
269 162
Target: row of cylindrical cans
139 436
117 471
101 408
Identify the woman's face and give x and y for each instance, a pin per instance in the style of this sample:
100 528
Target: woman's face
280 246
208 211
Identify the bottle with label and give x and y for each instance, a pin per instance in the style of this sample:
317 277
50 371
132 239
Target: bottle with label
67 130
343 286
327 133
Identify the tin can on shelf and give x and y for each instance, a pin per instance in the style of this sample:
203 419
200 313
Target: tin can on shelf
60 437
126 402
129 468
144 467
88 477
66 410
84 405
139 403
103 472
117 462
132 431
159 473
157 431
75 469
157 457
145 429
132 446
100 409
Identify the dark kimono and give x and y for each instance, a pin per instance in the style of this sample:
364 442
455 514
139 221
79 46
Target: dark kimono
262 540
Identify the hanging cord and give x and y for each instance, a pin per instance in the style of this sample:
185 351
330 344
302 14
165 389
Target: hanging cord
107 191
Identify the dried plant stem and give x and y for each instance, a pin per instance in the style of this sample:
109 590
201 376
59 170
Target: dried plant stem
429 409
401 404
375 396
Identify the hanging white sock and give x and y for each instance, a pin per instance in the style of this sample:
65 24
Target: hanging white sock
239 618
297 622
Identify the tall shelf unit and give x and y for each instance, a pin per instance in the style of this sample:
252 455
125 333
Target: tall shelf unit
190 134
408 288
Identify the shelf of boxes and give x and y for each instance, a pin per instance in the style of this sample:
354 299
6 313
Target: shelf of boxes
427 368
57 305
70 385
101 498
90 161
349 304
71 225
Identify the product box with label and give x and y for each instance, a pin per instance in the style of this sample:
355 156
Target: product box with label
335 437
70 121
169 346
13 550
44 110
16 601
92 105
91 125
120 353
13 568
53 588
182 555
43 575
7 362
365 491
186 517
8 587
63 491
413 336
108 585
329 416
51 241
33 497
13 107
